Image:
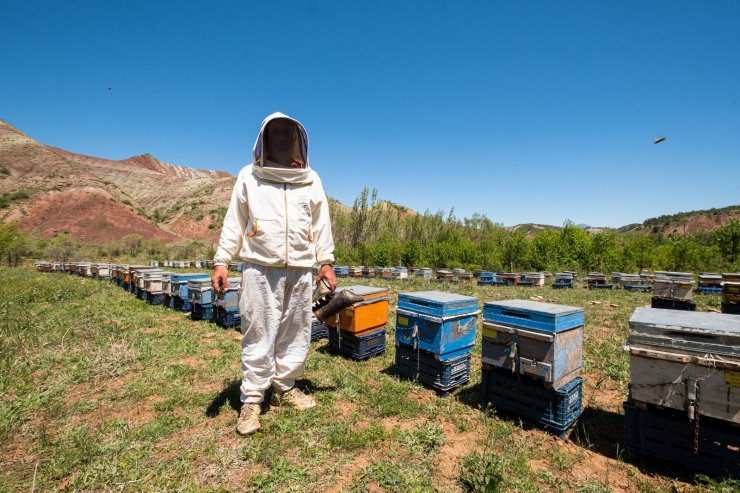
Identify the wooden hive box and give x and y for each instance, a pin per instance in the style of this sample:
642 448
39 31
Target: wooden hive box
369 314
84 269
200 291
509 277
731 287
229 299
537 278
138 276
154 281
673 287
688 361
709 279
542 340
443 275
438 322
179 284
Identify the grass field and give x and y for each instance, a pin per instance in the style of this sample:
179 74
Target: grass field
100 391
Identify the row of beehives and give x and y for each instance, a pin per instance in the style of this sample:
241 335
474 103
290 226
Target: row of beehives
187 292
86 268
684 400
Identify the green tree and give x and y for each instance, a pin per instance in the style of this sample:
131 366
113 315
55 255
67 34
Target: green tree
132 243
727 238
61 247
14 244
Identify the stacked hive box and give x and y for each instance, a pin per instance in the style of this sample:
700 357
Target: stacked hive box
509 278
684 403
673 290
100 271
443 275
358 332
709 283
536 278
137 279
227 304
179 294
202 298
425 273
563 280
597 280
116 274
633 282
341 270
489 279
731 293
154 284
435 334
532 357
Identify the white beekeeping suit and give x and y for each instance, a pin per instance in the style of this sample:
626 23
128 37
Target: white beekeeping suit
278 223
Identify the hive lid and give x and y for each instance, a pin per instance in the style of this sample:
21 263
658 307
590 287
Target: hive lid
713 333
364 291
438 296
536 306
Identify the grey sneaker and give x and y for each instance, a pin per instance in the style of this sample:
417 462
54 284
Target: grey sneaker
293 398
249 419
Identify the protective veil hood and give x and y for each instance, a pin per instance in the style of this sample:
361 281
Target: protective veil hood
301 174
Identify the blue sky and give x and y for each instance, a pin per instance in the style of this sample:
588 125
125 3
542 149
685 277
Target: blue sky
525 111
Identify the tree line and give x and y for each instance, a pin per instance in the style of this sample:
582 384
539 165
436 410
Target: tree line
374 232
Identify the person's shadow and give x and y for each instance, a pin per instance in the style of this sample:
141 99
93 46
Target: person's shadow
230 393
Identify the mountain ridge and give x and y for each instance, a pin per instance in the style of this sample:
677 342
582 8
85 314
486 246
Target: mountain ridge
50 190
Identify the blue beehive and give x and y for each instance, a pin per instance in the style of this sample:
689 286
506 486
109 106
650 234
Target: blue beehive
489 279
341 270
200 291
533 315
437 322
541 340
179 289
563 280
229 298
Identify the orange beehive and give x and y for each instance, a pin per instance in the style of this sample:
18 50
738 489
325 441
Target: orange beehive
369 314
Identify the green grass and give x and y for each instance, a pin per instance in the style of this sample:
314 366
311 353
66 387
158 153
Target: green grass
100 391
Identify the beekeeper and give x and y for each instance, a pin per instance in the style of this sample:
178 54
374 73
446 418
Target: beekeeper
278 223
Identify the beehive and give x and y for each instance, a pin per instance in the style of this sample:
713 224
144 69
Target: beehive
369 314
686 360
542 340
437 322
229 298
200 291
673 285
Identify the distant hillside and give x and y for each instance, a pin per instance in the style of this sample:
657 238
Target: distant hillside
96 200
531 228
694 222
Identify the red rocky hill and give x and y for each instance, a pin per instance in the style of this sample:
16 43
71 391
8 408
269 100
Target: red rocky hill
50 190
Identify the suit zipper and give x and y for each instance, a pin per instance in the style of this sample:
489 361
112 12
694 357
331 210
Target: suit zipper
285 199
